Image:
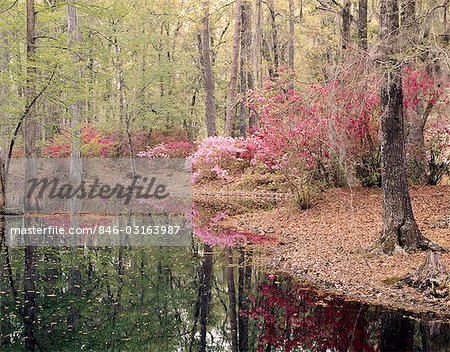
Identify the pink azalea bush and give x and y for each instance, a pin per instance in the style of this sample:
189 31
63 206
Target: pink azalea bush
177 149
221 157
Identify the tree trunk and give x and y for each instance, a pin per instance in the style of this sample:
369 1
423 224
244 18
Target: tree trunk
399 226
346 25
232 299
415 118
73 30
244 288
256 56
362 25
205 296
256 45
4 89
408 14
232 89
246 73
291 58
30 136
2 182
397 332
415 139
274 30
75 161
208 76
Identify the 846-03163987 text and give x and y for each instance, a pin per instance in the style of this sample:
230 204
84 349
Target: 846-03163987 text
96 229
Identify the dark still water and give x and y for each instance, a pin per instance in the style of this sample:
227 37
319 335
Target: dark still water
209 296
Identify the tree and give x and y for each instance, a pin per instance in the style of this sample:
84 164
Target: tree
208 76
400 229
232 299
291 35
232 88
362 25
73 30
30 136
246 72
205 294
346 25
256 44
275 45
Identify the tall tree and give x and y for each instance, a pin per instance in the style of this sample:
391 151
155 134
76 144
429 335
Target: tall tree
232 299
246 73
256 54
208 75
232 88
399 225
362 25
244 289
408 13
205 295
346 24
418 116
30 135
274 32
291 56
256 44
73 30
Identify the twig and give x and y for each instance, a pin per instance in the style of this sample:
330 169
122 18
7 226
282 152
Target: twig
22 118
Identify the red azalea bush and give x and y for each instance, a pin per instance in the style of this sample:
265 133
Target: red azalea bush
139 139
143 140
92 143
309 134
419 87
170 135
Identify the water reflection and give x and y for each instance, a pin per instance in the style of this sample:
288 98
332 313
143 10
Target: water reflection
208 296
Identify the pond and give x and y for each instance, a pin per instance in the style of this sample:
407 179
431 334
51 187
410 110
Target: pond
211 295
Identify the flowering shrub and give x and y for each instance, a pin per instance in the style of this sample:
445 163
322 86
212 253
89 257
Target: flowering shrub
143 140
92 143
168 136
180 149
139 139
220 157
305 134
419 87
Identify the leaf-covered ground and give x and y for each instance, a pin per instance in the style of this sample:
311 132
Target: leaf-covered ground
327 244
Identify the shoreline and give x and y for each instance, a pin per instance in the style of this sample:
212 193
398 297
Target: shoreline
326 245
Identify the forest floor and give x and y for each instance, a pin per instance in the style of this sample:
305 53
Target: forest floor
327 244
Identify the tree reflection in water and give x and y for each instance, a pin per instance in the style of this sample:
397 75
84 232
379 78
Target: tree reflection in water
182 299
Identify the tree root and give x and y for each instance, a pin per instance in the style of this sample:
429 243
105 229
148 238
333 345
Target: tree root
426 244
407 239
431 277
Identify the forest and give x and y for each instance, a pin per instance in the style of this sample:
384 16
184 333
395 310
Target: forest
296 156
